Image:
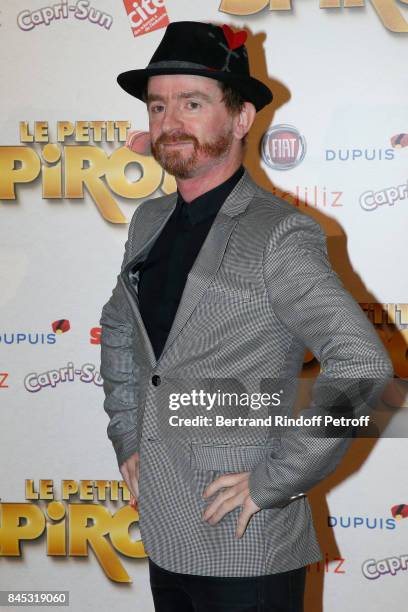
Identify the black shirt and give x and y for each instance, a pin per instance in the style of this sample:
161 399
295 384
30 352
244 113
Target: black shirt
163 274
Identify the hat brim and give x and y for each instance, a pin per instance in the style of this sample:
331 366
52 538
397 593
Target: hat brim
134 83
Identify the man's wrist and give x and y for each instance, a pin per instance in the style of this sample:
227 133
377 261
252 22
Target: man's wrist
257 493
125 445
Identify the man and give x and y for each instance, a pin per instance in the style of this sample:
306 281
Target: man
222 285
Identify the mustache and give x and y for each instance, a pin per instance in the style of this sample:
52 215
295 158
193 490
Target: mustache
174 138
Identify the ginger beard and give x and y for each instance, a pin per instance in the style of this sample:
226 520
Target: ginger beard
182 164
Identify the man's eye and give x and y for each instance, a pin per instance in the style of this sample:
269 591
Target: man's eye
193 105
157 108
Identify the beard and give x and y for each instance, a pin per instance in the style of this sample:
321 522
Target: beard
182 165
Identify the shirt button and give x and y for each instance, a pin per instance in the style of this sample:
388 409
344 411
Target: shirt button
156 380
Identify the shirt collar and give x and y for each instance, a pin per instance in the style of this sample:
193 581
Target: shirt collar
209 203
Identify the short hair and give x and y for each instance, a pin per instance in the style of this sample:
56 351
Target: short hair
232 99
234 103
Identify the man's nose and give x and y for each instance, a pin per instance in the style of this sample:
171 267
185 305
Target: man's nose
172 118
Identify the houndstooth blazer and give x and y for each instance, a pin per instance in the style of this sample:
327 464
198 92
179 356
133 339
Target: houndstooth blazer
259 294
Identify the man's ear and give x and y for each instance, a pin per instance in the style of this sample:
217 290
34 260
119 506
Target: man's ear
244 120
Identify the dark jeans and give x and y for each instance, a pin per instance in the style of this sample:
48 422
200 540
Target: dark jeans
173 592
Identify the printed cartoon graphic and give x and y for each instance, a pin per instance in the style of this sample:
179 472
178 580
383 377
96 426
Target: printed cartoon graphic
138 142
400 511
399 141
61 326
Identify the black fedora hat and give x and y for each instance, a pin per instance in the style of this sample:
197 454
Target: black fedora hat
192 47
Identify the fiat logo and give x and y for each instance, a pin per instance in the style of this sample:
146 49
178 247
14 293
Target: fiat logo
283 147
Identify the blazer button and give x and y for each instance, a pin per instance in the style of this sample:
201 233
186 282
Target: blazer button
156 380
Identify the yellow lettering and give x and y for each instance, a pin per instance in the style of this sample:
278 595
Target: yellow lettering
56 539
81 131
68 488
115 490
101 487
390 15
169 184
119 533
339 3
75 527
97 127
387 10
25 135
281 5
80 535
46 489
86 490
64 129
30 493
12 531
403 309
41 131
51 175
242 7
125 491
122 127
149 181
70 170
86 165
110 131
10 173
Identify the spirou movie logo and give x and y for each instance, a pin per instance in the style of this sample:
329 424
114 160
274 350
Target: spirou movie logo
79 157
74 523
387 10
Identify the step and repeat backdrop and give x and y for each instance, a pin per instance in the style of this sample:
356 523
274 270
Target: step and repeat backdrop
333 143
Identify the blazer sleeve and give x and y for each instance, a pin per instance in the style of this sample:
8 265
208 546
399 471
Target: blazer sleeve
119 368
308 297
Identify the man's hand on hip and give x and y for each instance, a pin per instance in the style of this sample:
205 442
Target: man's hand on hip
235 493
130 472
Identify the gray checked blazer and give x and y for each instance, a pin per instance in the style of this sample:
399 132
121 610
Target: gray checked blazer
259 294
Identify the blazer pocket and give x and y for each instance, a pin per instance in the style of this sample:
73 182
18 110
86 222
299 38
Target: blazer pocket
229 458
226 295
119 336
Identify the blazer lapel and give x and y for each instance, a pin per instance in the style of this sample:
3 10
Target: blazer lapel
210 256
155 217
205 266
